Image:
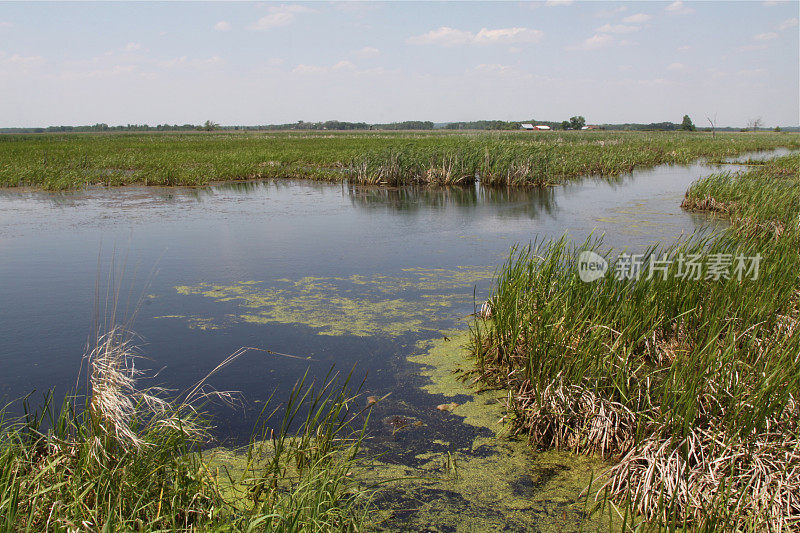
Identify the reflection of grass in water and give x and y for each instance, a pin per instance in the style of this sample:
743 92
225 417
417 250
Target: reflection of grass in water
357 305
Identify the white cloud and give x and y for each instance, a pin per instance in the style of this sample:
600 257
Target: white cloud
766 36
752 73
446 36
309 69
788 23
553 3
275 61
676 66
494 68
508 35
222 25
343 65
367 52
684 48
4 24
678 8
752 47
22 61
132 47
281 15
195 63
638 18
599 40
617 28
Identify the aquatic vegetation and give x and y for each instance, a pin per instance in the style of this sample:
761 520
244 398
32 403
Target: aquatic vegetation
485 483
689 385
766 198
349 306
509 159
125 458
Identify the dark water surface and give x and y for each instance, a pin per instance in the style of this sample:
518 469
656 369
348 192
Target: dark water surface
351 277
277 230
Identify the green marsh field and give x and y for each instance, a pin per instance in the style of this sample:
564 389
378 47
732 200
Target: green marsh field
67 161
679 398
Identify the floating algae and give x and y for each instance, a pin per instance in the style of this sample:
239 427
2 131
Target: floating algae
419 300
492 483
453 469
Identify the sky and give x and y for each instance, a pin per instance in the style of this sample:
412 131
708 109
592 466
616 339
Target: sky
267 63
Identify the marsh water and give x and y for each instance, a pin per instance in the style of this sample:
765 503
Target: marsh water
357 279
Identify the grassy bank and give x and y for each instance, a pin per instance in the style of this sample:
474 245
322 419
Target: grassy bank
63 161
689 385
125 459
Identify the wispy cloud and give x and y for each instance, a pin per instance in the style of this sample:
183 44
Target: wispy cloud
132 47
617 28
599 40
678 8
281 15
638 18
752 47
769 36
343 65
222 25
446 36
788 23
554 3
22 61
676 66
191 63
367 52
4 24
751 73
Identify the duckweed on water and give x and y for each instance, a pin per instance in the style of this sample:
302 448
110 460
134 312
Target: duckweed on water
421 300
490 484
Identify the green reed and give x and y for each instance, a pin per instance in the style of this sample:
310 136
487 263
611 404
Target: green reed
691 385
122 459
61 161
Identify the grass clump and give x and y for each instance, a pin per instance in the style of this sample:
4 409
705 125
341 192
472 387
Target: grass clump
124 458
690 385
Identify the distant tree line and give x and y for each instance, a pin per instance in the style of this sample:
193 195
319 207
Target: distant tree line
103 127
574 123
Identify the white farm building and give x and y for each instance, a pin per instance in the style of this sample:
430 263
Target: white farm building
531 127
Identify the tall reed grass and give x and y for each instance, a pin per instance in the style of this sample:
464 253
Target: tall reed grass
59 161
122 458
691 385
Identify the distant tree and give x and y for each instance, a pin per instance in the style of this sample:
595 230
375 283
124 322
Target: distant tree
687 125
754 124
565 125
577 123
777 129
210 126
713 123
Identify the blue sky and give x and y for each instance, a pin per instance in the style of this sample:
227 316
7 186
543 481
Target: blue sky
257 63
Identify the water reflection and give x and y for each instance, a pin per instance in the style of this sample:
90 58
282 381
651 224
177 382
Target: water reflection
516 202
